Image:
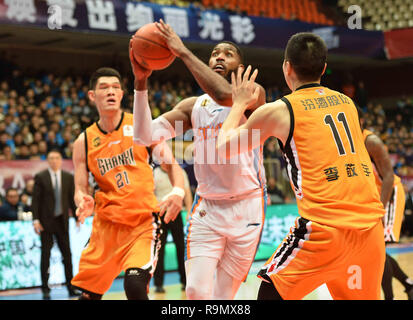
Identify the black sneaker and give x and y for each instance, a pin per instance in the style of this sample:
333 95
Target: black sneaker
74 293
46 295
159 290
409 293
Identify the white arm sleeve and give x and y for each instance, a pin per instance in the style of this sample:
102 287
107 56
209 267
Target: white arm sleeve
145 130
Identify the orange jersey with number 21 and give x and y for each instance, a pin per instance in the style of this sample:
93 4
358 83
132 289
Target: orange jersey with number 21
121 169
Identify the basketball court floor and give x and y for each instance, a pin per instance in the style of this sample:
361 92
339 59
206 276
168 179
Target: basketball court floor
402 252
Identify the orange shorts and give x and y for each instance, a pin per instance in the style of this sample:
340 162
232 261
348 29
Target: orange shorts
394 214
349 262
114 248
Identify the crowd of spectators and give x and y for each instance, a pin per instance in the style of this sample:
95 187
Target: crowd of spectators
393 124
47 111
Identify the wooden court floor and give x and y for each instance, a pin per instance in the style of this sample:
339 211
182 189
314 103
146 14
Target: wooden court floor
402 252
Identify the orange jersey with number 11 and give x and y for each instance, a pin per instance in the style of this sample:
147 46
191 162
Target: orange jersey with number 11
327 162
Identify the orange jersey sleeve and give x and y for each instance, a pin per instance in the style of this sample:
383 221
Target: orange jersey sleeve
121 170
327 162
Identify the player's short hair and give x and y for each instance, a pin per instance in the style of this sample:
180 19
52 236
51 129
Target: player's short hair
237 49
307 53
103 72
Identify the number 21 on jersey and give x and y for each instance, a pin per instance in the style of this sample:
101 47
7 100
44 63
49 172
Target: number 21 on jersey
122 179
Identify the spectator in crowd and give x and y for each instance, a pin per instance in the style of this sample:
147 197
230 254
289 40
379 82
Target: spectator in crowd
361 97
28 192
274 192
7 154
11 207
407 226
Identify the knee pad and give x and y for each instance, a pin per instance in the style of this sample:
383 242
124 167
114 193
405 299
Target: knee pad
136 284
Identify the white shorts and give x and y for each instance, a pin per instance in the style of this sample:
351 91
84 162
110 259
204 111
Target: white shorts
228 230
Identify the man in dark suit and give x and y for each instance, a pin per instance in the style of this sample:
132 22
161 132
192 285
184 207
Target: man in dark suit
53 196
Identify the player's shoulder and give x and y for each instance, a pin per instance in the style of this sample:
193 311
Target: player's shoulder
186 104
373 143
80 142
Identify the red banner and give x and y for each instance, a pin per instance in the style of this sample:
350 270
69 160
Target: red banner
16 173
399 43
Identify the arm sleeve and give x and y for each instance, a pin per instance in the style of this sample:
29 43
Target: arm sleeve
145 130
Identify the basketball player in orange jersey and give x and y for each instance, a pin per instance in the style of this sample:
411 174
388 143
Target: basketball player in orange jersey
226 220
339 231
126 223
393 197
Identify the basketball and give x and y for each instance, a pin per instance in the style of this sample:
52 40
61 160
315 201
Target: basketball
150 49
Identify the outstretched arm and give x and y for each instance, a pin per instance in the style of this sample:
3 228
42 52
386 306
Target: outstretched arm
271 119
216 86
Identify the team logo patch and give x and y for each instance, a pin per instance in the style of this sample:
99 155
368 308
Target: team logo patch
128 130
204 102
202 213
96 142
320 91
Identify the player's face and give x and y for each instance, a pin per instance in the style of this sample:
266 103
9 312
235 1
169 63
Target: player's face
108 94
224 60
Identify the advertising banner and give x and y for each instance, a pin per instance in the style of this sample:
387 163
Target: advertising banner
399 43
190 23
20 248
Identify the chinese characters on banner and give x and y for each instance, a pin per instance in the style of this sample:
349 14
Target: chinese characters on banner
191 24
108 15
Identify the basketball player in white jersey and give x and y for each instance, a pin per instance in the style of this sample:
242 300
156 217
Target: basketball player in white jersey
226 220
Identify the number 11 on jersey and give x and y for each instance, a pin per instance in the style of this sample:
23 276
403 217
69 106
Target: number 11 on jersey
341 117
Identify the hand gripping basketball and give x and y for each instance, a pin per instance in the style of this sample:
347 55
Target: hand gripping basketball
150 49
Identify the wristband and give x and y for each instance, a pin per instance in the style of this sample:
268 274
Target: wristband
175 191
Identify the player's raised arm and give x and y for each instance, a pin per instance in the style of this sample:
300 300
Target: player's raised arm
147 131
271 119
210 82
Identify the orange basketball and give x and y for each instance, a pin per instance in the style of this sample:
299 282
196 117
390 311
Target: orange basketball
150 49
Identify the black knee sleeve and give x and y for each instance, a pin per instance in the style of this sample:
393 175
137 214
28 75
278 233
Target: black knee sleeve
268 291
136 284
